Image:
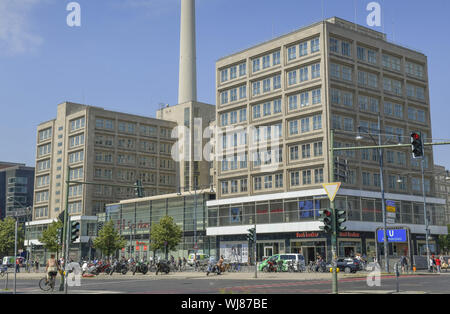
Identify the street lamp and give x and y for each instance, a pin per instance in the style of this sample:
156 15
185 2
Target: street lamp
383 202
195 209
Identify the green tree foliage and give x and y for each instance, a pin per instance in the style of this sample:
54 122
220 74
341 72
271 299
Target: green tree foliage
444 241
165 235
7 236
51 237
109 240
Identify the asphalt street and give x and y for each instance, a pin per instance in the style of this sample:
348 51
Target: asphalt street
201 284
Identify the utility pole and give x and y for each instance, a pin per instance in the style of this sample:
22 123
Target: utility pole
383 201
15 254
255 253
425 216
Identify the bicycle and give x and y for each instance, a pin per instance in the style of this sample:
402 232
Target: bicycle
46 285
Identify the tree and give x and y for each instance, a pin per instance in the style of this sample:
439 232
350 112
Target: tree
51 237
444 241
7 236
165 235
109 240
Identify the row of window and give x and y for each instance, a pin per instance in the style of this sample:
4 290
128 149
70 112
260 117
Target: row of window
305 125
131 128
232 94
42 181
232 72
44 150
41 197
45 134
369 55
76 140
305 150
233 117
77 124
293 53
302 99
265 62
108 141
302 74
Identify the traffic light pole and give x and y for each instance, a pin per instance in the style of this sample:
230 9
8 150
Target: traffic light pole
334 284
65 237
425 216
255 253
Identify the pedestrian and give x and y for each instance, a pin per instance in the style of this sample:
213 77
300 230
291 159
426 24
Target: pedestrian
404 263
438 265
36 265
431 264
180 263
17 265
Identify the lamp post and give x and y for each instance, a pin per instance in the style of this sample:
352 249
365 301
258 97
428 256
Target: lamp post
195 210
383 202
27 210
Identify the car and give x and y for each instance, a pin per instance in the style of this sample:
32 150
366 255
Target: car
202 258
296 258
348 265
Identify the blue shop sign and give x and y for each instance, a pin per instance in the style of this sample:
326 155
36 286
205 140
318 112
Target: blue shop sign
393 235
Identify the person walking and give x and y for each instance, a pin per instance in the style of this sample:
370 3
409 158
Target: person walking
438 265
404 263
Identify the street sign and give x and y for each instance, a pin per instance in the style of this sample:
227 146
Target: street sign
331 189
390 221
390 206
390 215
393 235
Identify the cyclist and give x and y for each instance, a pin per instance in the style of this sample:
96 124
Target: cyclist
51 267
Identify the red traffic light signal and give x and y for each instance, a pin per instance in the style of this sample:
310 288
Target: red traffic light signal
416 145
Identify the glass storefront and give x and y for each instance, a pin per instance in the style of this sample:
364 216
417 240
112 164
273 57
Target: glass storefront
134 221
307 209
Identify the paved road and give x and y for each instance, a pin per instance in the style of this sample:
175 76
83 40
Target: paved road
243 284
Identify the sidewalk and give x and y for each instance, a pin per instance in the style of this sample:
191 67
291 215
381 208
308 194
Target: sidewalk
227 275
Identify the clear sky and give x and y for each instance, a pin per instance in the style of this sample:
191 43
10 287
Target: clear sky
124 57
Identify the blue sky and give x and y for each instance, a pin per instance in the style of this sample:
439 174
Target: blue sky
124 57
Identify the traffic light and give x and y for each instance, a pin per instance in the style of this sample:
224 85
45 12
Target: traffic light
340 219
74 231
251 235
417 145
326 216
60 235
138 190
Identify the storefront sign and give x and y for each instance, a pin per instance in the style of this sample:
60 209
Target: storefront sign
349 235
393 235
307 234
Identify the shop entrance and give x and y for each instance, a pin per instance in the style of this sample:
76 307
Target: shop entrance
349 251
268 251
309 253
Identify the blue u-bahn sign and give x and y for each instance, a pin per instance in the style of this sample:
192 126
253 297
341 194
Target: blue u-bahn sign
393 235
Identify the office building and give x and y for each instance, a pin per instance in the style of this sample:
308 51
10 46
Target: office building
276 104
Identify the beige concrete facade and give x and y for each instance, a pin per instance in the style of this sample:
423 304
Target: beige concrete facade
99 146
324 76
196 117
442 182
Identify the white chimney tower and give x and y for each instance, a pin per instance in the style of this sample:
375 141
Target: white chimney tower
187 89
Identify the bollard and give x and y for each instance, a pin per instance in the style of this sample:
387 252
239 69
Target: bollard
397 274
6 285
